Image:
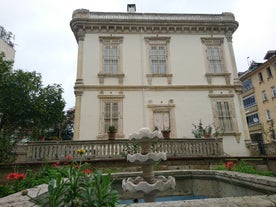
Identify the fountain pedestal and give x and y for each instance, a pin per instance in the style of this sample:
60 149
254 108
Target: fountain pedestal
147 184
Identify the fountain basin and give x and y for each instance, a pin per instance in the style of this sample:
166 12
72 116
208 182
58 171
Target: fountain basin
139 185
207 183
147 158
144 134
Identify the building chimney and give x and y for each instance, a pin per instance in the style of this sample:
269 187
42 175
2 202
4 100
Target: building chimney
131 8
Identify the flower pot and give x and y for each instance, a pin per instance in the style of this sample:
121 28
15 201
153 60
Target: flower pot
111 135
166 134
207 135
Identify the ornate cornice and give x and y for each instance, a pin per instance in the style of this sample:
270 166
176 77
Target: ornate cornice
152 23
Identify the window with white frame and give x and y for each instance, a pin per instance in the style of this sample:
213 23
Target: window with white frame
162 116
158 54
224 114
111 113
252 119
158 58
214 59
273 90
111 54
268 115
249 101
111 59
264 95
214 54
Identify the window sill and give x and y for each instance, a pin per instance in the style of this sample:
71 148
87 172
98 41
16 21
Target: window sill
102 76
168 76
159 75
269 77
209 77
217 74
105 136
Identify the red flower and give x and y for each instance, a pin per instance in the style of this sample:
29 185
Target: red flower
65 163
11 176
58 163
16 176
87 171
21 176
54 165
229 165
69 158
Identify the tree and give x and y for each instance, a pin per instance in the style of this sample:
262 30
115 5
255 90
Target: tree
27 107
68 129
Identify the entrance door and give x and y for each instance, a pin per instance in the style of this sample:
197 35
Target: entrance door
161 120
258 138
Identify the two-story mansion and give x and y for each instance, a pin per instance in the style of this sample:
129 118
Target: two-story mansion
157 70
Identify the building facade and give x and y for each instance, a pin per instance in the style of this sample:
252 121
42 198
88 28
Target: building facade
259 98
157 70
6 44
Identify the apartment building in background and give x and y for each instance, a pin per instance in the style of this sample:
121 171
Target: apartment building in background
259 98
6 44
160 70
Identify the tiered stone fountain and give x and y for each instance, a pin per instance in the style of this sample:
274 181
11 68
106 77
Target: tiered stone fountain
147 183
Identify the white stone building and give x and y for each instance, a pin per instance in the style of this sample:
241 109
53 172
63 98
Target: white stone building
151 69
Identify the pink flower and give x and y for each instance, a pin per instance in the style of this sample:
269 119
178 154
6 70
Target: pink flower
69 158
229 165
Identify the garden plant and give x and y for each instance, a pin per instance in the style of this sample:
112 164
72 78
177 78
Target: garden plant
70 183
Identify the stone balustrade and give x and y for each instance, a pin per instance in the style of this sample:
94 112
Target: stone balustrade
104 149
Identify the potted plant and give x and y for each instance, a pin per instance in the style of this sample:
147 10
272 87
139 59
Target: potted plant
207 132
166 133
200 131
111 132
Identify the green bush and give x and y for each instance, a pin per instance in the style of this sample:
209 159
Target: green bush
243 167
73 184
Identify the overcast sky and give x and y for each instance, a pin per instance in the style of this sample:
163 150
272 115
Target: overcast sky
45 43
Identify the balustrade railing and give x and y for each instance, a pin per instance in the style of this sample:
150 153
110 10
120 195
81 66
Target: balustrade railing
105 149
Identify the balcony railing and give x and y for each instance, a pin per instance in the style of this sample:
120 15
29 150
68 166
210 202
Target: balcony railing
105 149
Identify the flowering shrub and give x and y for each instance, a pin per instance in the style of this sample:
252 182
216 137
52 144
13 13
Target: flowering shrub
229 165
243 167
16 176
81 151
70 183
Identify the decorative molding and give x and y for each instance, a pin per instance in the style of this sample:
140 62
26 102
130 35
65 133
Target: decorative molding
122 23
111 39
79 87
221 95
157 40
212 41
158 87
111 97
